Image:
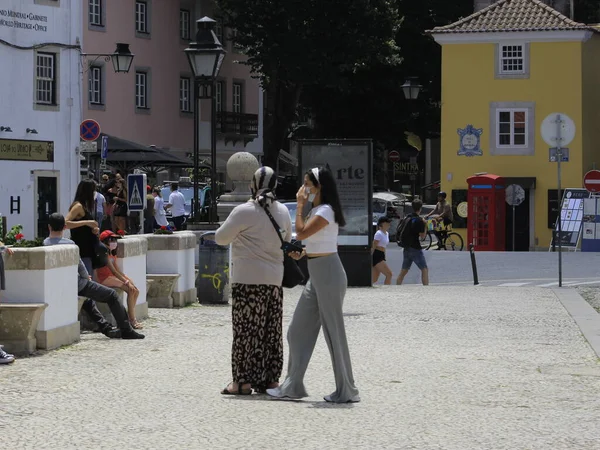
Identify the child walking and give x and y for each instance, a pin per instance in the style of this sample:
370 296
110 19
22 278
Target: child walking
5 358
111 276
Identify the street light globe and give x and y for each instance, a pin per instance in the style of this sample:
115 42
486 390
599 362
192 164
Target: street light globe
411 89
122 58
206 54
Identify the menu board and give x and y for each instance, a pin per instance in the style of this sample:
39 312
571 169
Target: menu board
571 216
350 163
591 225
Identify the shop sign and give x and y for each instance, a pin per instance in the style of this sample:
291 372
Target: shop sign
23 20
406 168
17 150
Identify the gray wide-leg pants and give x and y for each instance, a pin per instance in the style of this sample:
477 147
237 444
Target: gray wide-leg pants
320 304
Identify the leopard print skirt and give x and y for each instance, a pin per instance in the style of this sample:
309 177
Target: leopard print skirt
257 350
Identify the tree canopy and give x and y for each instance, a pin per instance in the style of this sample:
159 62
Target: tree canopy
291 45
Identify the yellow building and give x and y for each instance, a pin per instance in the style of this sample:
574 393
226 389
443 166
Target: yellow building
504 69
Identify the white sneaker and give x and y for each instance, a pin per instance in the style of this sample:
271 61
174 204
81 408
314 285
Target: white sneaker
276 393
355 399
6 358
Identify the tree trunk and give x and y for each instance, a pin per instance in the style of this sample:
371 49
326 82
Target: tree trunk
279 114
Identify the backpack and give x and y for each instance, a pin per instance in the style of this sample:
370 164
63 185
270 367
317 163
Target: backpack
403 233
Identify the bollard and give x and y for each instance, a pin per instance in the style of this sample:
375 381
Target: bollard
474 265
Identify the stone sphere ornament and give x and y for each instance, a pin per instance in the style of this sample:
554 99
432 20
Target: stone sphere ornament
240 168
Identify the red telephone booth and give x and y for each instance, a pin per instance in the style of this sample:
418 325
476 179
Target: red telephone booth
486 215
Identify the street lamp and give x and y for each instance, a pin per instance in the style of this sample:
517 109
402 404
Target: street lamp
121 58
205 56
411 89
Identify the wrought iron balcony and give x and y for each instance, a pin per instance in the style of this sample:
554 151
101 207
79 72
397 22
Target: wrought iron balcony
231 123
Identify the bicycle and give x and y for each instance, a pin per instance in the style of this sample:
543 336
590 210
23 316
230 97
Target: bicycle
436 231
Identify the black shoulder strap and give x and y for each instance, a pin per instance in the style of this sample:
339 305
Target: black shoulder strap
275 224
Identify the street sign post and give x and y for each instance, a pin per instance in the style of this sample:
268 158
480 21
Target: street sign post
394 156
591 181
88 147
136 192
89 130
553 155
558 130
104 153
515 195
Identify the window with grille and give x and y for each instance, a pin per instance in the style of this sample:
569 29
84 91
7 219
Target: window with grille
95 87
184 94
237 97
512 59
45 79
141 90
184 24
511 127
219 95
141 17
95 12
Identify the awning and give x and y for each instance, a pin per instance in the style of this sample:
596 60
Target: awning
128 155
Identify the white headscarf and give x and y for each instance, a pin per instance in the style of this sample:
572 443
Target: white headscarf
263 186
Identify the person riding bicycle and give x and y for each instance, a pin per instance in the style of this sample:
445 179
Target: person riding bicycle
443 213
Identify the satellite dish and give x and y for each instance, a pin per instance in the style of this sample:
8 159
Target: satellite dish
558 130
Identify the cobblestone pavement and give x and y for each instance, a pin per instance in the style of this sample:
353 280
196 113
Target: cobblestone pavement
437 367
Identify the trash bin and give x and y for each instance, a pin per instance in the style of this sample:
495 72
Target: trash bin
212 283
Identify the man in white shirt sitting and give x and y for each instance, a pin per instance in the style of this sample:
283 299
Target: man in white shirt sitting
177 205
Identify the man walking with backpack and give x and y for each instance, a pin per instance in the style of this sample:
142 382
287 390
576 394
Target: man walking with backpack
412 230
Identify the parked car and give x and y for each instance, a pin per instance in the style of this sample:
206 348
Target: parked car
395 206
292 207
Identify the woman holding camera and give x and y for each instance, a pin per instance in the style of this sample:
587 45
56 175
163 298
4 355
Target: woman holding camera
323 296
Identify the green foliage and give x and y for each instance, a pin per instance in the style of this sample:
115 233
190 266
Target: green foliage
15 238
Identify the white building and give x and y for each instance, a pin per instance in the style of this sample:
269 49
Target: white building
40 109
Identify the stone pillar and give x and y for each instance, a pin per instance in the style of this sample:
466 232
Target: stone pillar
240 168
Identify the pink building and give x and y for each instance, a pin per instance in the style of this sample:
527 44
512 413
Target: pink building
153 103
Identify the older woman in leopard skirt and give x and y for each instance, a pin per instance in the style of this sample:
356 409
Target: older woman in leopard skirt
257 295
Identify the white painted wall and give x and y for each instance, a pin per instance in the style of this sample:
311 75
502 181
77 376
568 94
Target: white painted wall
58 24
135 268
56 287
171 262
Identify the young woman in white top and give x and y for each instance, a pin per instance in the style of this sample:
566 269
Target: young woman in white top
380 242
322 299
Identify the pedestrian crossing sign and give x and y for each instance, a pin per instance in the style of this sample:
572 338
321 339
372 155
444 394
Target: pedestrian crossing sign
136 192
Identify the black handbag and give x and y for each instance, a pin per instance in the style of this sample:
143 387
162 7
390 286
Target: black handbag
100 258
292 274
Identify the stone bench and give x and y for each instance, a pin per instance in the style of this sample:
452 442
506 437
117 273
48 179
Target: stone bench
18 324
160 290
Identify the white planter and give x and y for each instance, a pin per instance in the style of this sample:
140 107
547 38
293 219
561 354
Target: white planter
174 254
46 275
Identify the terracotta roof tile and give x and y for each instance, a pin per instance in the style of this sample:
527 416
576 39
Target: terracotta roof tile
514 15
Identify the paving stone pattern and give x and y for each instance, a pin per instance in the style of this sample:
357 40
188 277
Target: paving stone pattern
437 368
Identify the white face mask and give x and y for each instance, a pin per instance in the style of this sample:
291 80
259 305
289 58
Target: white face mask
311 197
112 245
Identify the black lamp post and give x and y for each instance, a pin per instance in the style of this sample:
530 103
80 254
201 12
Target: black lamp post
205 56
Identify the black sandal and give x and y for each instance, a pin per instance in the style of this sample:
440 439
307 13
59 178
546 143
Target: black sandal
240 391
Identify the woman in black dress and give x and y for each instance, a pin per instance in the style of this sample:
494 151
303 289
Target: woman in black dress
120 208
80 220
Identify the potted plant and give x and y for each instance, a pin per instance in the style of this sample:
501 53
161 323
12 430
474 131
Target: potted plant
16 238
164 230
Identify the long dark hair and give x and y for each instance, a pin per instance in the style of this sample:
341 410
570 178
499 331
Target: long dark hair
329 192
85 195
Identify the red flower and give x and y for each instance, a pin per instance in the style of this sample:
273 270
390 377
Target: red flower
19 236
121 232
163 228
